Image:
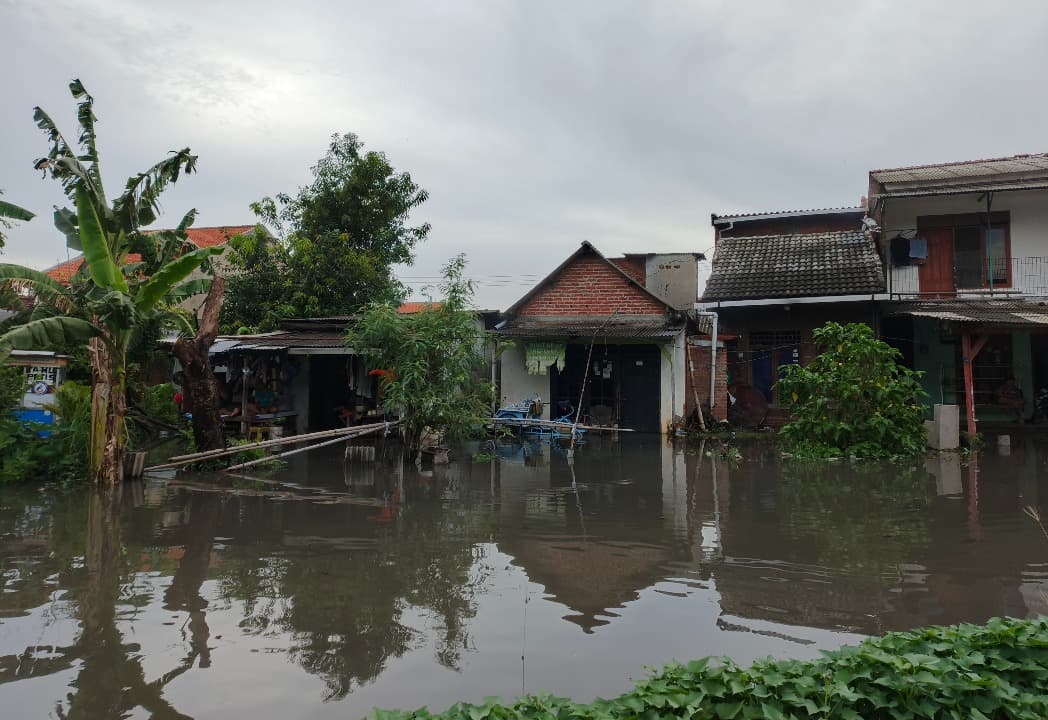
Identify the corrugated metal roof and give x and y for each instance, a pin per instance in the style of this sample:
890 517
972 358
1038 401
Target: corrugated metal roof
961 189
799 265
775 214
281 340
584 327
996 313
965 169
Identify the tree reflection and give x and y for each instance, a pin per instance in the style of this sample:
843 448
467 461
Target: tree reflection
111 681
351 584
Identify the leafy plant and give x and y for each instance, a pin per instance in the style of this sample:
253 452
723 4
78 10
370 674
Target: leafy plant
429 361
853 399
110 301
996 670
62 454
8 213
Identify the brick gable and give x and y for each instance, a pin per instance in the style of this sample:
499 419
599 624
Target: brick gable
590 285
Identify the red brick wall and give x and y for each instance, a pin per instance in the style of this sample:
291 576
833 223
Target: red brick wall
698 377
634 267
589 286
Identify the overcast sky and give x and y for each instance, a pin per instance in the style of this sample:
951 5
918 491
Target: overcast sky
534 125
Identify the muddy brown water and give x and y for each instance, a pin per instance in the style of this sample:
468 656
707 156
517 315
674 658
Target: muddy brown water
326 589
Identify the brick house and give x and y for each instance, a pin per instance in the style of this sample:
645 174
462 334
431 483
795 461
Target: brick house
617 326
777 276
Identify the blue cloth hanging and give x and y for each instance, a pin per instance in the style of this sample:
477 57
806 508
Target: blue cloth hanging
918 249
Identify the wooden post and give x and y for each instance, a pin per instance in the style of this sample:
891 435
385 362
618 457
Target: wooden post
970 351
969 382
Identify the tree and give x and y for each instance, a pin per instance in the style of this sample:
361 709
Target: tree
337 240
200 386
853 400
110 301
429 359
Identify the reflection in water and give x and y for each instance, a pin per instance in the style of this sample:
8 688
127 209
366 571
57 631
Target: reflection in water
380 586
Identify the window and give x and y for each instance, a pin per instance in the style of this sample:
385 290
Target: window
981 255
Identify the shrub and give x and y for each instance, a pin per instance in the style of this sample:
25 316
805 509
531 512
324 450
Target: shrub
24 455
997 670
853 399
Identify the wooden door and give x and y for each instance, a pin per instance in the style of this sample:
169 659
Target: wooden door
936 273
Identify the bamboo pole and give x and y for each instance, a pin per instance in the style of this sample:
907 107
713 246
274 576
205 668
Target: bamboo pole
257 461
695 390
179 460
550 423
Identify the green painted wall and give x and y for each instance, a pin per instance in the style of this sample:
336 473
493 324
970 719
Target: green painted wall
935 354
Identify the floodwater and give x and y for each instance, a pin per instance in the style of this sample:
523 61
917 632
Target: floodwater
325 589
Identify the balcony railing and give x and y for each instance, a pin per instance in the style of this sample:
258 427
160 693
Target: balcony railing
1017 277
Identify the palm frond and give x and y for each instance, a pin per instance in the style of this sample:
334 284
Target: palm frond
47 333
153 290
46 289
85 115
10 211
139 204
63 161
187 290
97 254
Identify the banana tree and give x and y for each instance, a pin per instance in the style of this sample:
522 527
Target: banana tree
109 300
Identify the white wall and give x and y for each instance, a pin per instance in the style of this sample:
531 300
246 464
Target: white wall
517 384
1028 213
674 278
672 381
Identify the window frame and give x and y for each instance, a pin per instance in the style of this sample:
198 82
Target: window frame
953 223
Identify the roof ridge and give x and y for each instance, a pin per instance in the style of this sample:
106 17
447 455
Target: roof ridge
955 163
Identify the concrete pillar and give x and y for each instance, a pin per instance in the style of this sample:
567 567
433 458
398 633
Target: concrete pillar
945 428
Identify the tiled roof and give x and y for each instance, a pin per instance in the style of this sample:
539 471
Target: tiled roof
201 237
576 326
801 265
410 308
996 313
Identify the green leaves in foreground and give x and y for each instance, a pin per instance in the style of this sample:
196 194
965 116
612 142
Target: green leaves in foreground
997 670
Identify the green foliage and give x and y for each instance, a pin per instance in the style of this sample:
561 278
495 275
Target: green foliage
997 670
24 455
853 400
430 358
109 301
157 401
337 240
8 213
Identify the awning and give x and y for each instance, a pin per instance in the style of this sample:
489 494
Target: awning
1004 314
620 327
221 346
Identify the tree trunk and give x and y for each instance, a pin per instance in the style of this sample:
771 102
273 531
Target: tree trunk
108 414
200 387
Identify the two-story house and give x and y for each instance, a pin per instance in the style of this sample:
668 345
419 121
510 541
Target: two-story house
775 277
966 250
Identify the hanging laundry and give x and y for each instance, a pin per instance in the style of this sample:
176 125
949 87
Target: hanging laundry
919 249
900 251
539 356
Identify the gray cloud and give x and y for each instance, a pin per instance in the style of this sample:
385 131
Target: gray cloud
534 125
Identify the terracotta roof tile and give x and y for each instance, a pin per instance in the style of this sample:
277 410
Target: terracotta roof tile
201 237
800 265
410 308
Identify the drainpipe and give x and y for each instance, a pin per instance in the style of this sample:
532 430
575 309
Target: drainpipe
713 356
